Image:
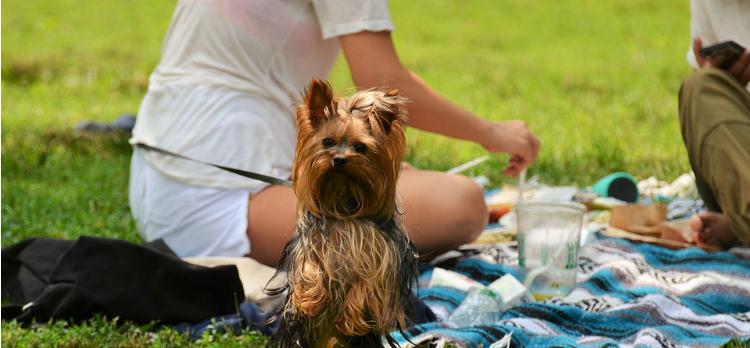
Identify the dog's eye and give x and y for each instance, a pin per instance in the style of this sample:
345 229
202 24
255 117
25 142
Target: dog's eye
361 148
328 142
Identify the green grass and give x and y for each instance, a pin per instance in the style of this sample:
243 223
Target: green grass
595 80
103 332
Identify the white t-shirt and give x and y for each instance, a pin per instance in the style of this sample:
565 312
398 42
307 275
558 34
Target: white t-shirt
716 21
230 73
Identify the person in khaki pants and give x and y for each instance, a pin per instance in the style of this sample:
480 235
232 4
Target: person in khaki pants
715 121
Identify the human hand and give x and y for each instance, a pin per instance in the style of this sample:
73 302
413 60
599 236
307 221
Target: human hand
740 69
514 138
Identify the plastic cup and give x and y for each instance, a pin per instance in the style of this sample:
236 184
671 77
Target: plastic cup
548 241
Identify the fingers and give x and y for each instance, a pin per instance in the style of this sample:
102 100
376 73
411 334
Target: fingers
697 45
514 138
745 75
536 145
531 148
528 151
697 225
741 68
513 170
703 63
712 229
515 166
717 62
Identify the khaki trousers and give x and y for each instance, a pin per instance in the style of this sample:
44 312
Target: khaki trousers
715 123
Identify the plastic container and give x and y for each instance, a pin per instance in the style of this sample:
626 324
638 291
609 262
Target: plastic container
442 277
481 307
618 185
549 236
511 291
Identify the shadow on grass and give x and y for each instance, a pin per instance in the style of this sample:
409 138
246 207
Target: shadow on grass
24 154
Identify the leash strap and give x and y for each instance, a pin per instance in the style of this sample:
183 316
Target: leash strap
265 178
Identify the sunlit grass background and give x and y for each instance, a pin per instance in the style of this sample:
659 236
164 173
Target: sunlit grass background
595 80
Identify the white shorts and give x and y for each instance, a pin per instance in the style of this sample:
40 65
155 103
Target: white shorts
192 220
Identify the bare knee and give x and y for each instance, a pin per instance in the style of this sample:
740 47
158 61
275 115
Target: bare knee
441 211
472 209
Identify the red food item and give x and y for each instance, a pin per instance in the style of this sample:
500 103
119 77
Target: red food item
497 212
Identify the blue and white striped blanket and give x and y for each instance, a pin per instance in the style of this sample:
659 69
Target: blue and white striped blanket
628 294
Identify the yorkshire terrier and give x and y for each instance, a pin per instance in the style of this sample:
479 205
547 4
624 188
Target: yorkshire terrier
350 265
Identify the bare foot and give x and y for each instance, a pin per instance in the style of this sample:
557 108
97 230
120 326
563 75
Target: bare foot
712 229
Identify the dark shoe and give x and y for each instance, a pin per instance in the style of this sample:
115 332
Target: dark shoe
124 123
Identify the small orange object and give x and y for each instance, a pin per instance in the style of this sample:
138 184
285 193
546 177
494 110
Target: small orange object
497 212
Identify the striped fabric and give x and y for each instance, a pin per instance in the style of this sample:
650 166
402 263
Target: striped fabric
628 295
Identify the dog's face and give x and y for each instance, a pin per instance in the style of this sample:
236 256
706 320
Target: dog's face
349 152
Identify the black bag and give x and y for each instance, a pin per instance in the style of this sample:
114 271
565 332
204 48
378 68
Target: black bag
46 278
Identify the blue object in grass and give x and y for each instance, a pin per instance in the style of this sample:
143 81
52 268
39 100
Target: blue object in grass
124 123
618 185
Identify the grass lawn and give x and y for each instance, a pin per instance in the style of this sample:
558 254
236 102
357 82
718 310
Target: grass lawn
596 80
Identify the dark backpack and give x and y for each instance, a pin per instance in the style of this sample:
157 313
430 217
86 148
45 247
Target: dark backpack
46 279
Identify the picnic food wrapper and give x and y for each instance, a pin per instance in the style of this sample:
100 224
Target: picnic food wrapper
512 292
641 219
503 342
506 197
498 234
678 230
648 223
442 277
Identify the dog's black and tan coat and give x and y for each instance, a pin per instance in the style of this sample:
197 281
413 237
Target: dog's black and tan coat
350 266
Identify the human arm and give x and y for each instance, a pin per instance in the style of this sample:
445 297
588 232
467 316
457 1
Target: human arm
373 62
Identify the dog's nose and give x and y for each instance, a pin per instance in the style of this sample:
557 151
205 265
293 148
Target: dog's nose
339 161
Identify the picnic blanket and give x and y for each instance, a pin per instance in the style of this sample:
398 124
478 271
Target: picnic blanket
628 294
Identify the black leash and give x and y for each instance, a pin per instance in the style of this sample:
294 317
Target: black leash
265 178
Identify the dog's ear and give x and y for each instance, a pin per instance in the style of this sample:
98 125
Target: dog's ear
399 104
318 103
390 108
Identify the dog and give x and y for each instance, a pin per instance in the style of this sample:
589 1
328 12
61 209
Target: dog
350 266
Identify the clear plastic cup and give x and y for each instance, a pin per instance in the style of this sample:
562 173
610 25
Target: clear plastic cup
549 236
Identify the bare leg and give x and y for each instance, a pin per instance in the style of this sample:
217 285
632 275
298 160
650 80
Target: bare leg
441 212
712 229
271 220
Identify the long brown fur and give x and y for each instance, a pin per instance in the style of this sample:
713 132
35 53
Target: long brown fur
350 266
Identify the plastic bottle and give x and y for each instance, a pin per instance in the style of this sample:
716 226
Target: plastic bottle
482 306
